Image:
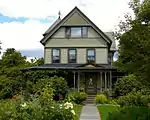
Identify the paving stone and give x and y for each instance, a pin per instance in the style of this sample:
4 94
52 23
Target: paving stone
89 112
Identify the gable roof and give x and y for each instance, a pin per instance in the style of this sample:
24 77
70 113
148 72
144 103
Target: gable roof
112 37
52 26
53 29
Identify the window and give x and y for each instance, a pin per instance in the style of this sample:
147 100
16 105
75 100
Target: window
56 55
76 32
67 32
91 55
84 32
72 55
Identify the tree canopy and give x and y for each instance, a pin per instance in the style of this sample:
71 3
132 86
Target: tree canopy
11 78
134 43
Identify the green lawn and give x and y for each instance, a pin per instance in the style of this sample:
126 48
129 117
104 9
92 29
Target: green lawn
77 109
105 109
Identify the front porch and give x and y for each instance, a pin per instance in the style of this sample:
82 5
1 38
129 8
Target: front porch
93 78
93 82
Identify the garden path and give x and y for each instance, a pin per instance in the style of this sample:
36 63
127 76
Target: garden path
89 112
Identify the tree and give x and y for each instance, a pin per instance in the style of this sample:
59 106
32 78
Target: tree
12 58
134 43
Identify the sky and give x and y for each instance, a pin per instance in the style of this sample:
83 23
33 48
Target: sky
22 22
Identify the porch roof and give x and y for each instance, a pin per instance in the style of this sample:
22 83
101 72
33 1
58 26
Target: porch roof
71 66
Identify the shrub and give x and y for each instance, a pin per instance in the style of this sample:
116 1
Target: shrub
46 95
59 85
77 97
131 113
125 85
101 99
33 110
113 102
134 99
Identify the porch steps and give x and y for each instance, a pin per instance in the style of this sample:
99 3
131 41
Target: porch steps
90 99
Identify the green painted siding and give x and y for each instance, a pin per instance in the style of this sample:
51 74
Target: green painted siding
93 33
81 55
64 56
75 43
75 19
47 59
101 55
60 33
94 40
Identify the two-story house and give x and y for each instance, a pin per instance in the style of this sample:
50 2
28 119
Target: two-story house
76 44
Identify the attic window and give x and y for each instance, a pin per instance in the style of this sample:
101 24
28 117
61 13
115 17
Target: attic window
78 32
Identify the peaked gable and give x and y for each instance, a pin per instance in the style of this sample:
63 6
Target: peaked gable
76 19
83 17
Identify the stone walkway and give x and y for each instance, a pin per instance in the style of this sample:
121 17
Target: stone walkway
89 112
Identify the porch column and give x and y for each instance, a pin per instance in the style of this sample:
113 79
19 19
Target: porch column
78 81
74 78
101 77
105 81
110 87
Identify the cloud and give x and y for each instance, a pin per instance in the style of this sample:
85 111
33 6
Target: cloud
41 13
34 8
45 8
22 35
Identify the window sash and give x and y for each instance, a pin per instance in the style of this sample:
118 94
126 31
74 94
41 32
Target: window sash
84 31
72 55
56 56
76 32
91 55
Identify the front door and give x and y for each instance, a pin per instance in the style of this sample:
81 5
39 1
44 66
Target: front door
91 83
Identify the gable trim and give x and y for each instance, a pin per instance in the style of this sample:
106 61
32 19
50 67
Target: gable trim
103 35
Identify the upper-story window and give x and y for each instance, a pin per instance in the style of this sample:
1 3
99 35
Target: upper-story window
91 55
56 55
72 55
76 32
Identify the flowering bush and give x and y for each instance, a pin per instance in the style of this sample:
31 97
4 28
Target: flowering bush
34 110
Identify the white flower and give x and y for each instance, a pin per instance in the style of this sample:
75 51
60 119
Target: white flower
24 105
73 112
52 107
60 106
68 105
